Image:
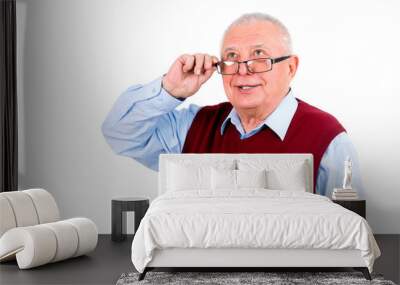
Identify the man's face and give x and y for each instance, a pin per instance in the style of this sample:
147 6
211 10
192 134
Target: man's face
258 39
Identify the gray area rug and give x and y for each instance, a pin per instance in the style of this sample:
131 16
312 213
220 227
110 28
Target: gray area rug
229 278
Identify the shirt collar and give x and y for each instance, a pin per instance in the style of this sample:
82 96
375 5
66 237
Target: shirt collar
278 121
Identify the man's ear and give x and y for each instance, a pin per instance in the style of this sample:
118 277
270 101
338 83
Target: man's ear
293 64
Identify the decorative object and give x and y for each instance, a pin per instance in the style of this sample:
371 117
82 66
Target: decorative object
347 173
346 192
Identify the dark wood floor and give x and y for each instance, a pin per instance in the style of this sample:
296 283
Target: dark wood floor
111 259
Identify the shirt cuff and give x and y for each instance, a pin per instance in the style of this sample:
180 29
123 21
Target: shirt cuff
161 98
175 99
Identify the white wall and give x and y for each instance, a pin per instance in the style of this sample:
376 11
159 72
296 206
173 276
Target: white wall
75 57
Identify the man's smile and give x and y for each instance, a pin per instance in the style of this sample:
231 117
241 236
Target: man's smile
247 88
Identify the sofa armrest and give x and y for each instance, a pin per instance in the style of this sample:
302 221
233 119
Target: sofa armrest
40 244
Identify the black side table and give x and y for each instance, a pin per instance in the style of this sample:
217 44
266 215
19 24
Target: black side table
357 206
119 207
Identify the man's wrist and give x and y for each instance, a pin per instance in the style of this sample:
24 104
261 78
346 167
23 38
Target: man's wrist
164 85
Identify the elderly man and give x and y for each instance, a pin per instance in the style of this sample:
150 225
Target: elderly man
262 115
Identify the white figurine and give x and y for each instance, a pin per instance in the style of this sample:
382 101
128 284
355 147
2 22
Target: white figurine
347 173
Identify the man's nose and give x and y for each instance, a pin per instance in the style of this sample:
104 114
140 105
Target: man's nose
243 68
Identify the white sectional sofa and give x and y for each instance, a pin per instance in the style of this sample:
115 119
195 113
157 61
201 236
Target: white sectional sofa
32 232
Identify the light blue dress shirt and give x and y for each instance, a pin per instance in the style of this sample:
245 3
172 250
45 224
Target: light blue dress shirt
143 123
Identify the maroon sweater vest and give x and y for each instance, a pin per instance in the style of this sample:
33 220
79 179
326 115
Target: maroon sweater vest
310 131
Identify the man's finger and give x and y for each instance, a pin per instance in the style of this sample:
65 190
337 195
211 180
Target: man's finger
214 59
199 63
204 77
207 62
187 62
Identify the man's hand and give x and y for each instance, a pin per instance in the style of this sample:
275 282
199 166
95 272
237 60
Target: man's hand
188 73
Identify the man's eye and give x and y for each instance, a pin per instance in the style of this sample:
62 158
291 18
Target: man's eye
258 52
231 55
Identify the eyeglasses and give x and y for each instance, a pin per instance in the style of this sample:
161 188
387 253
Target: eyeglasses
253 65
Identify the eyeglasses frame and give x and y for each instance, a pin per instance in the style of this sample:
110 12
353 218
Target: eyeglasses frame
273 61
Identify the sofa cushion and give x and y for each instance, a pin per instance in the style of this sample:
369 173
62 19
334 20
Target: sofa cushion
7 220
23 208
40 244
45 205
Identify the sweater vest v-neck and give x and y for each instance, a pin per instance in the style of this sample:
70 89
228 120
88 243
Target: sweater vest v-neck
311 130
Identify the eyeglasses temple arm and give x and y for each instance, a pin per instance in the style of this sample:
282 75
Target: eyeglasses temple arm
275 60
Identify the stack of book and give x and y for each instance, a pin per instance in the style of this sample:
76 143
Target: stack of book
344 194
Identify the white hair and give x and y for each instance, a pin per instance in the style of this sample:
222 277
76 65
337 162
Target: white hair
252 17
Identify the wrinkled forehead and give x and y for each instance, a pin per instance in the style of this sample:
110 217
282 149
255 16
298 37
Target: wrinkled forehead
245 37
